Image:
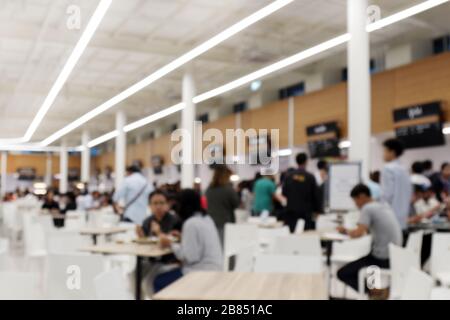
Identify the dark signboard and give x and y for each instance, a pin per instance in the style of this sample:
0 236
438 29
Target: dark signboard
323 140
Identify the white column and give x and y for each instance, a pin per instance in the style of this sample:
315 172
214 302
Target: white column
120 149
48 170
359 104
3 173
187 123
291 130
85 158
63 168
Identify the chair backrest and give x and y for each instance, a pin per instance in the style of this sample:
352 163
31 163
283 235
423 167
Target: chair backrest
241 215
66 241
304 245
19 286
326 223
33 236
440 253
237 236
355 248
245 259
414 242
112 285
418 286
401 261
281 263
4 245
71 276
10 215
300 226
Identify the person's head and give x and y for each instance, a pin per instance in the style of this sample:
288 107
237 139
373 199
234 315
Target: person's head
322 165
417 167
158 203
132 169
427 165
50 195
301 159
361 195
429 193
393 149
189 204
418 192
221 176
445 170
375 176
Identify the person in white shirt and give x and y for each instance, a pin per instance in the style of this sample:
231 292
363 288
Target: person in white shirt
425 204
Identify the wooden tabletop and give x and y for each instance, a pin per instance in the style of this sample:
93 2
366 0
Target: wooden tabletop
329 235
246 286
102 230
134 249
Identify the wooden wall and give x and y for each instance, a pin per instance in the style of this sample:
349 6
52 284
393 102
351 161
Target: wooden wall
38 161
422 81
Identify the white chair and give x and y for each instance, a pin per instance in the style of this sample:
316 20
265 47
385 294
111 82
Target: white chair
4 250
326 223
65 241
418 286
241 215
300 226
34 237
401 260
414 242
11 220
278 263
245 259
304 245
112 285
440 258
348 251
440 293
237 236
267 236
19 286
71 276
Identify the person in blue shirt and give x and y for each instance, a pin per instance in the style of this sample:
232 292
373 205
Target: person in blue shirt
134 193
263 191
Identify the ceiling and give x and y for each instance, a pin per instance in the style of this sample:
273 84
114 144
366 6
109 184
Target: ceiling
136 37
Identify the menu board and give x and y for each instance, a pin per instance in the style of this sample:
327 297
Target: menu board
27 173
157 164
73 174
343 177
323 140
420 125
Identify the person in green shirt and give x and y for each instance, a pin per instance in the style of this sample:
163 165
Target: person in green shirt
263 191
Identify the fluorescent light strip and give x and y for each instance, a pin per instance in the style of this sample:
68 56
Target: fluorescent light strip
87 35
103 138
154 117
297 58
185 58
421 7
24 147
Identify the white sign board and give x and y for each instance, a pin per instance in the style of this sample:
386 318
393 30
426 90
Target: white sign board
342 178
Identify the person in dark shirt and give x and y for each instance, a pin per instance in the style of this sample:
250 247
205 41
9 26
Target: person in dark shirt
53 206
161 220
301 191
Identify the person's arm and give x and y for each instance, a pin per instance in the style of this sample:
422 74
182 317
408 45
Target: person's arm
118 195
360 231
387 185
190 250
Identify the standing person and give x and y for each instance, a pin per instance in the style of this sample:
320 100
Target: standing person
379 220
301 192
264 192
322 166
374 185
396 187
418 177
134 192
222 199
52 205
428 168
199 249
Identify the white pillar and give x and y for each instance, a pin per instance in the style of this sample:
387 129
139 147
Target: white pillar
120 149
48 170
85 158
188 124
63 168
291 130
3 173
359 104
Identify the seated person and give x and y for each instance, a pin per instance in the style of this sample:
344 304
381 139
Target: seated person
425 204
200 248
52 206
379 220
161 220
